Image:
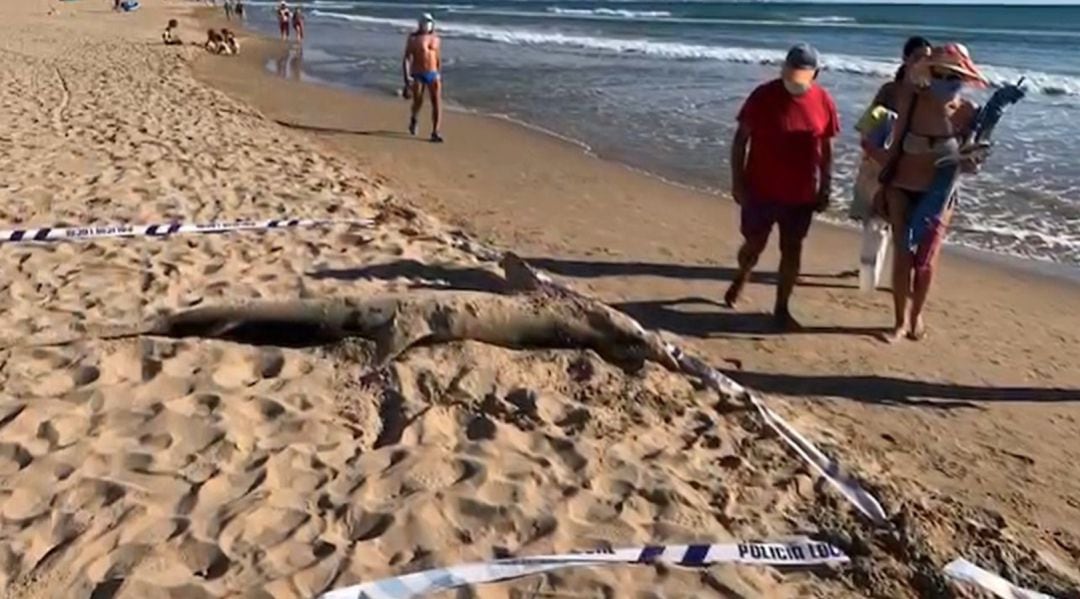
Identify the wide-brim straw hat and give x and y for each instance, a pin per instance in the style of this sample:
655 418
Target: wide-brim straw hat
957 59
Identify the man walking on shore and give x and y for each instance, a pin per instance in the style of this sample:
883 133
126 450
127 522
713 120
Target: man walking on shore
786 175
284 18
421 67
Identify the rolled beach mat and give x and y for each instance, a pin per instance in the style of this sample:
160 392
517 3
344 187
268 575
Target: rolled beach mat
927 214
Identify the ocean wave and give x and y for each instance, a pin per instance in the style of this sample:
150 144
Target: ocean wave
1060 241
828 19
332 4
1045 83
556 12
315 4
609 12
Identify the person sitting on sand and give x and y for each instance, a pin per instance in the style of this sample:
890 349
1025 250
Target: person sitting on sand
421 67
786 175
215 44
933 122
298 24
232 46
284 18
169 35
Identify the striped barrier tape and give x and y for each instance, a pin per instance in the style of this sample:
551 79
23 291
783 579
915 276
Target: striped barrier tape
965 571
159 229
432 580
831 469
798 552
848 486
959 569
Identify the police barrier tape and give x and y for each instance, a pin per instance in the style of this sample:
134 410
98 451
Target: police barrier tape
959 569
160 229
798 552
848 486
865 502
965 571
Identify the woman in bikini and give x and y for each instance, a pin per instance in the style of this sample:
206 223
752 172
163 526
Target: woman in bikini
298 24
933 122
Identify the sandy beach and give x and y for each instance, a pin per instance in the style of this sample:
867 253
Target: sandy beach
159 467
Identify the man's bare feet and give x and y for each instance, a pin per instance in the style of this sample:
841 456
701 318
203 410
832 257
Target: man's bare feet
785 321
918 330
734 292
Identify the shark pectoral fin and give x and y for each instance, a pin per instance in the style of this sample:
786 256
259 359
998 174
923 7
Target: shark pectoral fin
398 334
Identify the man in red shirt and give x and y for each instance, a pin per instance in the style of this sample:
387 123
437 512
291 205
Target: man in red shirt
786 175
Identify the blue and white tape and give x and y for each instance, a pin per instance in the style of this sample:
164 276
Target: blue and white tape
959 569
41 234
798 552
828 467
848 486
965 571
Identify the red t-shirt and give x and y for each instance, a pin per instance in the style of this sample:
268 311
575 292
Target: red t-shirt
786 133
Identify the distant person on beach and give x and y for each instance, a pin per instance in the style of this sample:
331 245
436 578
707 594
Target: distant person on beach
933 123
239 8
786 174
229 42
421 67
228 9
284 18
298 24
215 44
169 35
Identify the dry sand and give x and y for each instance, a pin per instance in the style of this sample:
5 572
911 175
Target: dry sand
157 467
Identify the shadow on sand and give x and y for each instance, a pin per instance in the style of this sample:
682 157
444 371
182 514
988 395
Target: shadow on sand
588 269
886 390
721 321
337 130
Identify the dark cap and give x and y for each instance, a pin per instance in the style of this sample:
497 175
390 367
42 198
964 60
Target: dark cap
802 56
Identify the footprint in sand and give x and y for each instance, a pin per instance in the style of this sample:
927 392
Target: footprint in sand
25 504
434 473
54 384
13 457
362 525
235 370
480 428
243 367
62 430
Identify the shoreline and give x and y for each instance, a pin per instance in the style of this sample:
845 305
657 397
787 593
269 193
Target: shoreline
1043 267
1033 265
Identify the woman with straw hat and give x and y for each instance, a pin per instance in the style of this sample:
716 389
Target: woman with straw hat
933 122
